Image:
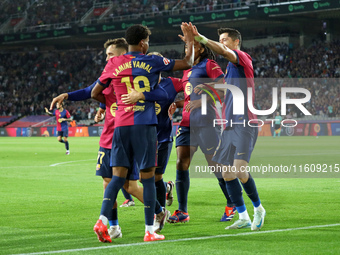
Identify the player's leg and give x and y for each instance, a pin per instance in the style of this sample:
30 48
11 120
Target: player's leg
149 195
244 139
235 192
104 170
163 155
128 199
184 154
249 187
60 137
229 210
144 148
224 155
114 231
121 162
132 187
208 140
110 196
67 147
185 148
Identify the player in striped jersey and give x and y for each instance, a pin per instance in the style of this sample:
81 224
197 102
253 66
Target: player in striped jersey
238 140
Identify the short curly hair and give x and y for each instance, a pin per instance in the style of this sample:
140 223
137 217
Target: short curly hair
136 33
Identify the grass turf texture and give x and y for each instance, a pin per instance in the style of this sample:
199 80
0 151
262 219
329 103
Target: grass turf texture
50 202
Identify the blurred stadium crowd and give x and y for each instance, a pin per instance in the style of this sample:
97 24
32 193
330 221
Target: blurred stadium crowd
43 12
29 80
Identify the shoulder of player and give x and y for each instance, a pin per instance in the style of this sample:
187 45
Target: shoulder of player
212 63
243 54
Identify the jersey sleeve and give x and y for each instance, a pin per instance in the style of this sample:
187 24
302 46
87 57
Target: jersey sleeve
81 94
105 78
177 84
156 95
241 57
214 71
102 106
68 115
163 64
54 112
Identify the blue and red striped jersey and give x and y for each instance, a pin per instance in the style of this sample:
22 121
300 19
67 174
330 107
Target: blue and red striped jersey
164 128
242 76
138 71
59 115
205 71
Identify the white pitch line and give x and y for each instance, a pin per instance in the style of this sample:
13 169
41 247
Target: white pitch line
61 163
183 240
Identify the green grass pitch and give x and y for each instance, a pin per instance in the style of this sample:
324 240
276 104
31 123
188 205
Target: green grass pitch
49 203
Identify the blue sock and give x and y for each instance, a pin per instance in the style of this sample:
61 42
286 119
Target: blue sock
110 194
235 193
161 192
182 189
113 219
158 208
250 189
62 141
223 187
149 197
66 146
126 195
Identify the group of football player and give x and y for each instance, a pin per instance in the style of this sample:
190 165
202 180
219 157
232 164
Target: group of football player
136 141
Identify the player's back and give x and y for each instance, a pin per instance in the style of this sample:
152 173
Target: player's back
140 72
164 128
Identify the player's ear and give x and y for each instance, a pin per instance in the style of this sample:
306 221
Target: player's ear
141 43
237 42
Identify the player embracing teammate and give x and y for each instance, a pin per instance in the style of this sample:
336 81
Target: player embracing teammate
135 136
237 141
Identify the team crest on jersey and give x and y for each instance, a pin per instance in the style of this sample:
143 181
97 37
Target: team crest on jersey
157 108
166 61
113 109
188 88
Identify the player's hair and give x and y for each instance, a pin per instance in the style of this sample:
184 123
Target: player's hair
136 33
62 103
155 53
207 53
232 33
120 43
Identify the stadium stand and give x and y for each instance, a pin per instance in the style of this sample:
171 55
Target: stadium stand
4 120
40 14
30 121
31 79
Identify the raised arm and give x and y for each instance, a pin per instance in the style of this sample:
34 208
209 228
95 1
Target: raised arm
187 37
216 47
78 95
